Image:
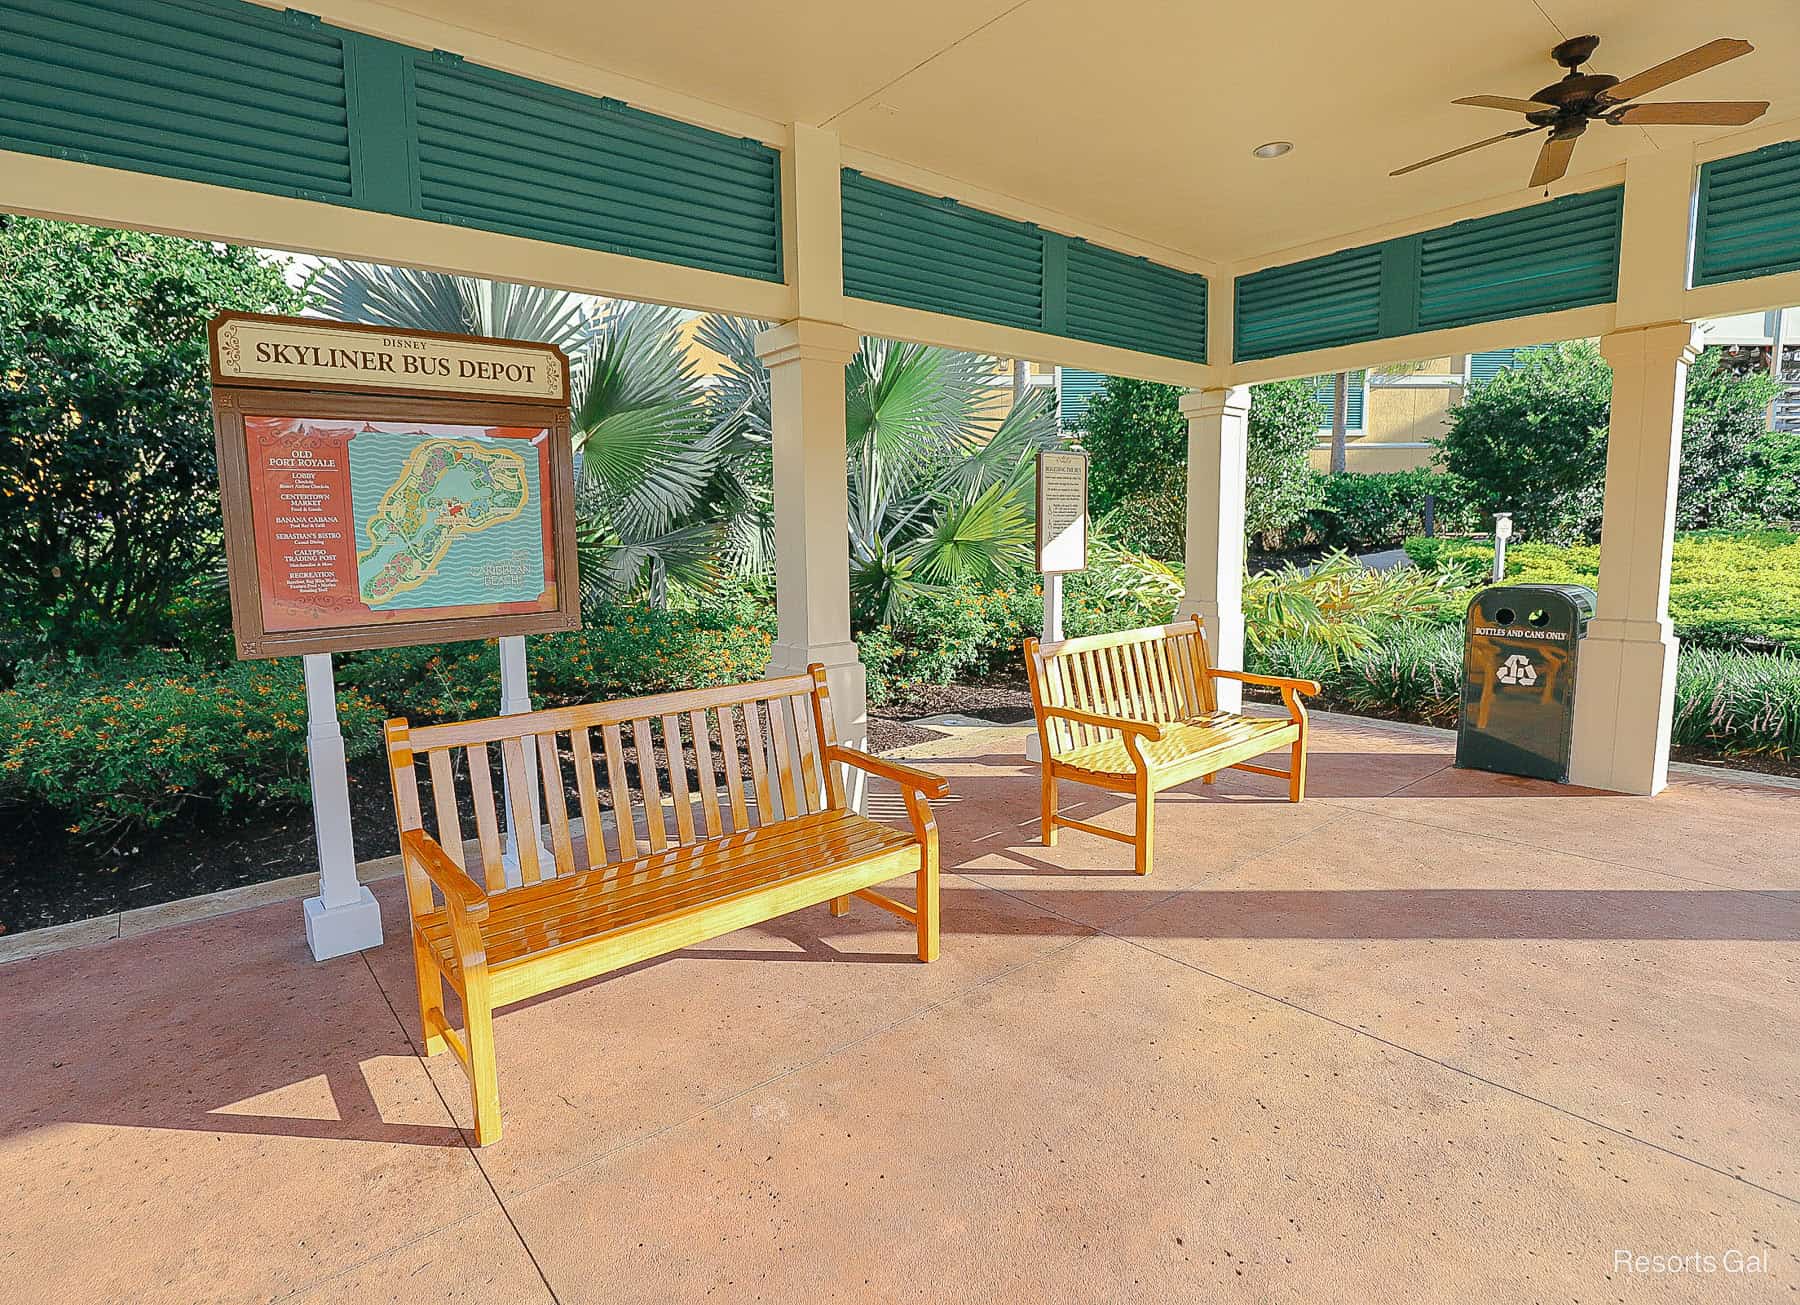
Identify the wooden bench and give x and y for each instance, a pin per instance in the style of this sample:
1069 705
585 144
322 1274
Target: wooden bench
1138 712
645 876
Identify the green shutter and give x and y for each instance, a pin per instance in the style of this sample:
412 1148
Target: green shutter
920 251
1489 363
1325 395
510 155
237 95
1132 303
1074 391
1564 254
1748 220
1316 304
229 94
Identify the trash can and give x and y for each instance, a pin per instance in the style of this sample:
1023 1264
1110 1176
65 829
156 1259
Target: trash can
1518 697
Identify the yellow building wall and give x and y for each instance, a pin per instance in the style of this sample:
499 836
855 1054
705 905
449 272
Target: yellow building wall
1396 415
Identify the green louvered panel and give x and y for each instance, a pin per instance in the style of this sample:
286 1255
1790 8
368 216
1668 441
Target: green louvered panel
1748 220
1325 395
919 251
1074 391
1132 303
1312 305
231 94
1542 259
1489 363
506 154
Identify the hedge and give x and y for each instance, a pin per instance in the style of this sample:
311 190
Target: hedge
1727 589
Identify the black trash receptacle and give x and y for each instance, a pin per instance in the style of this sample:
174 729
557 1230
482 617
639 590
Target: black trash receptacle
1519 659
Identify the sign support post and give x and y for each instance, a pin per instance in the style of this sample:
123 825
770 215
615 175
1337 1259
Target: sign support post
515 700
1062 521
344 917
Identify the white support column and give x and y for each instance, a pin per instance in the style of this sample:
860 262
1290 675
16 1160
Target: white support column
344 917
806 361
1218 447
515 700
1625 688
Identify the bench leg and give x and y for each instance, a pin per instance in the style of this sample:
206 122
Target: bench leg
927 881
1209 777
431 996
484 1076
1297 771
841 905
1145 841
1048 816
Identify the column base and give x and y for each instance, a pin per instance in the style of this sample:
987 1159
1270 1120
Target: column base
1624 706
339 930
1225 645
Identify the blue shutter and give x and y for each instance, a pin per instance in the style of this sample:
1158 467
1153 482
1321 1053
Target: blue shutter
1074 390
1542 259
1748 219
1132 303
229 94
1311 305
1325 395
904 247
499 152
1489 363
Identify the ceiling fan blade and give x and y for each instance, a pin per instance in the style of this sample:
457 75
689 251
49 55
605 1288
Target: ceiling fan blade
1439 158
1711 113
1696 60
1553 160
1504 102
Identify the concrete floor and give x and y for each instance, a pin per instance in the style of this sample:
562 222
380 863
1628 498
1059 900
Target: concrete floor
1429 1036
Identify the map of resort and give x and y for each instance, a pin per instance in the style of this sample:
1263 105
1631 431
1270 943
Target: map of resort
446 490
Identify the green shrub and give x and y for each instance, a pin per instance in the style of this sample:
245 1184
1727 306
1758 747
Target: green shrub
1363 511
1726 589
130 746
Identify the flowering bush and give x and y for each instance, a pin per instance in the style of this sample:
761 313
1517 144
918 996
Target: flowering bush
132 745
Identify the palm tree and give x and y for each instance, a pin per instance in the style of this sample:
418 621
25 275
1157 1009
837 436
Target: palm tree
642 427
940 491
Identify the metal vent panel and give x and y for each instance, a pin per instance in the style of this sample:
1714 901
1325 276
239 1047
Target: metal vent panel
1316 304
1132 303
1748 219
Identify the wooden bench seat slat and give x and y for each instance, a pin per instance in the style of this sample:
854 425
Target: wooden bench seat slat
593 836
624 823
556 804
487 828
1159 677
583 907
709 784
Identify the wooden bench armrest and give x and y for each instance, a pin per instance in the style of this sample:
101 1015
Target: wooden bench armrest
1268 681
452 880
928 784
1124 724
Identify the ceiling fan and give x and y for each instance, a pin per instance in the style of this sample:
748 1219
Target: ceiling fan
1565 108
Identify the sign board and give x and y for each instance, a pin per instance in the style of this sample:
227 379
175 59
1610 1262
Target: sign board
1062 512
385 487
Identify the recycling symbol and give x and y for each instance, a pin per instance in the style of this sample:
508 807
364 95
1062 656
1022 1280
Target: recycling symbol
1517 669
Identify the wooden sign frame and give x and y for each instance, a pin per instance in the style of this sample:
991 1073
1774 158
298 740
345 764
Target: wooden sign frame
235 402
1047 565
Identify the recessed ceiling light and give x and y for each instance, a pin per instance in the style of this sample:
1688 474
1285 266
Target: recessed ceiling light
1273 150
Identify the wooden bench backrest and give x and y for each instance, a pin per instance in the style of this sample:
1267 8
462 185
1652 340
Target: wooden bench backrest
738 757
1159 673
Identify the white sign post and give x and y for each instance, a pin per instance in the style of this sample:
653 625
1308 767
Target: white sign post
344 917
1062 531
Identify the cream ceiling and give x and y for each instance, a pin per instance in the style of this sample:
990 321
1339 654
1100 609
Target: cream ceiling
1140 115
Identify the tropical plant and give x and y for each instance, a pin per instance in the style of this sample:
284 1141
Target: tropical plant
940 472
1337 603
108 483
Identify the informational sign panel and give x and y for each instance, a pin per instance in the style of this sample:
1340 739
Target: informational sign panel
1062 512
360 513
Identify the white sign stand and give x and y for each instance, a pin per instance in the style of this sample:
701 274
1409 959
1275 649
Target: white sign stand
344 917
1062 543
515 700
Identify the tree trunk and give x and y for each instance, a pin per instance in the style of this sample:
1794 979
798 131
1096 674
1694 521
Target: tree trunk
1340 423
1018 381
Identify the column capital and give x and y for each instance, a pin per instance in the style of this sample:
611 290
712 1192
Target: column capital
1668 341
1224 400
807 339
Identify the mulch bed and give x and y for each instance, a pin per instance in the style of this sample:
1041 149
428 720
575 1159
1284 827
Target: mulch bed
46 878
